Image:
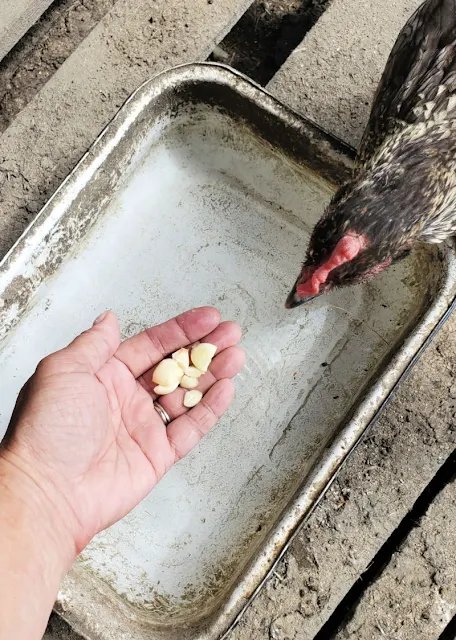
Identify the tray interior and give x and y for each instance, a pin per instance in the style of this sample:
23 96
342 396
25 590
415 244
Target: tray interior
205 211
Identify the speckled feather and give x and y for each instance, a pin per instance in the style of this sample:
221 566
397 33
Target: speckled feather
403 188
419 75
409 146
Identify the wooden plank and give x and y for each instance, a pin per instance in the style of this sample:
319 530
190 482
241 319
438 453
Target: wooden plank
134 41
415 596
332 75
16 18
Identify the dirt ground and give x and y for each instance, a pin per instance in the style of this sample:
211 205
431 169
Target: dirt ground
257 45
264 37
392 607
59 630
44 48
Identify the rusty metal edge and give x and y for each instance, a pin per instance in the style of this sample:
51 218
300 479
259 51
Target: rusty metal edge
256 573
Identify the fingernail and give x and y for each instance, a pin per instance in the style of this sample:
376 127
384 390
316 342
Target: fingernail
100 318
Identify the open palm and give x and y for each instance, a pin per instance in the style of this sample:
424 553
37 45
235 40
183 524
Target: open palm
85 424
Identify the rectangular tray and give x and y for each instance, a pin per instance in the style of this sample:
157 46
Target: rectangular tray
203 190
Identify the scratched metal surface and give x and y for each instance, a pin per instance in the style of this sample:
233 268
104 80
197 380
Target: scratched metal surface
204 190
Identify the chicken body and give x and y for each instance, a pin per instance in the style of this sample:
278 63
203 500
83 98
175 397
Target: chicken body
403 188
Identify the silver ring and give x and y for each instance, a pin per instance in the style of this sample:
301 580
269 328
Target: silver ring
162 413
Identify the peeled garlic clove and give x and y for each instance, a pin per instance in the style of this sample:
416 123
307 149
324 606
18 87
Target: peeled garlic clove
182 358
188 383
202 355
192 398
163 390
167 373
193 372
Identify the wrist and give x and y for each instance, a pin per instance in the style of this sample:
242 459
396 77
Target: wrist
28 507
35 553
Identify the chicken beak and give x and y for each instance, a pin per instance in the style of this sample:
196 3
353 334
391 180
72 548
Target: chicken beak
294 300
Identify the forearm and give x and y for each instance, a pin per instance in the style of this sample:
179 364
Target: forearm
35 554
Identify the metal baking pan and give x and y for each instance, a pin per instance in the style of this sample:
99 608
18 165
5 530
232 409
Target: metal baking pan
203 190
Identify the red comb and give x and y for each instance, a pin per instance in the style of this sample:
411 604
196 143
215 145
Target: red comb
345 250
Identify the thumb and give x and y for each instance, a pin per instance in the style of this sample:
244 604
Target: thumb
93 348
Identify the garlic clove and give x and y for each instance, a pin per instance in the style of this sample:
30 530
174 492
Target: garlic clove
182 358
192 398
163 390
193 372
188 383
167 373
202 355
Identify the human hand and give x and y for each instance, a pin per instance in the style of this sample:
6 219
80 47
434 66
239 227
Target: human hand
85 433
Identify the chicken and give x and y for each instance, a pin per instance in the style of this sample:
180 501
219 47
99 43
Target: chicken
403 188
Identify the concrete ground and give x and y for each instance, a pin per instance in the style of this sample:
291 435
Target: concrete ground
102 50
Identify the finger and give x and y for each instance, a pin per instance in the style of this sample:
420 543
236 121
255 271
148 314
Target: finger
143 351
226 365
225 335
186 431
93 348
